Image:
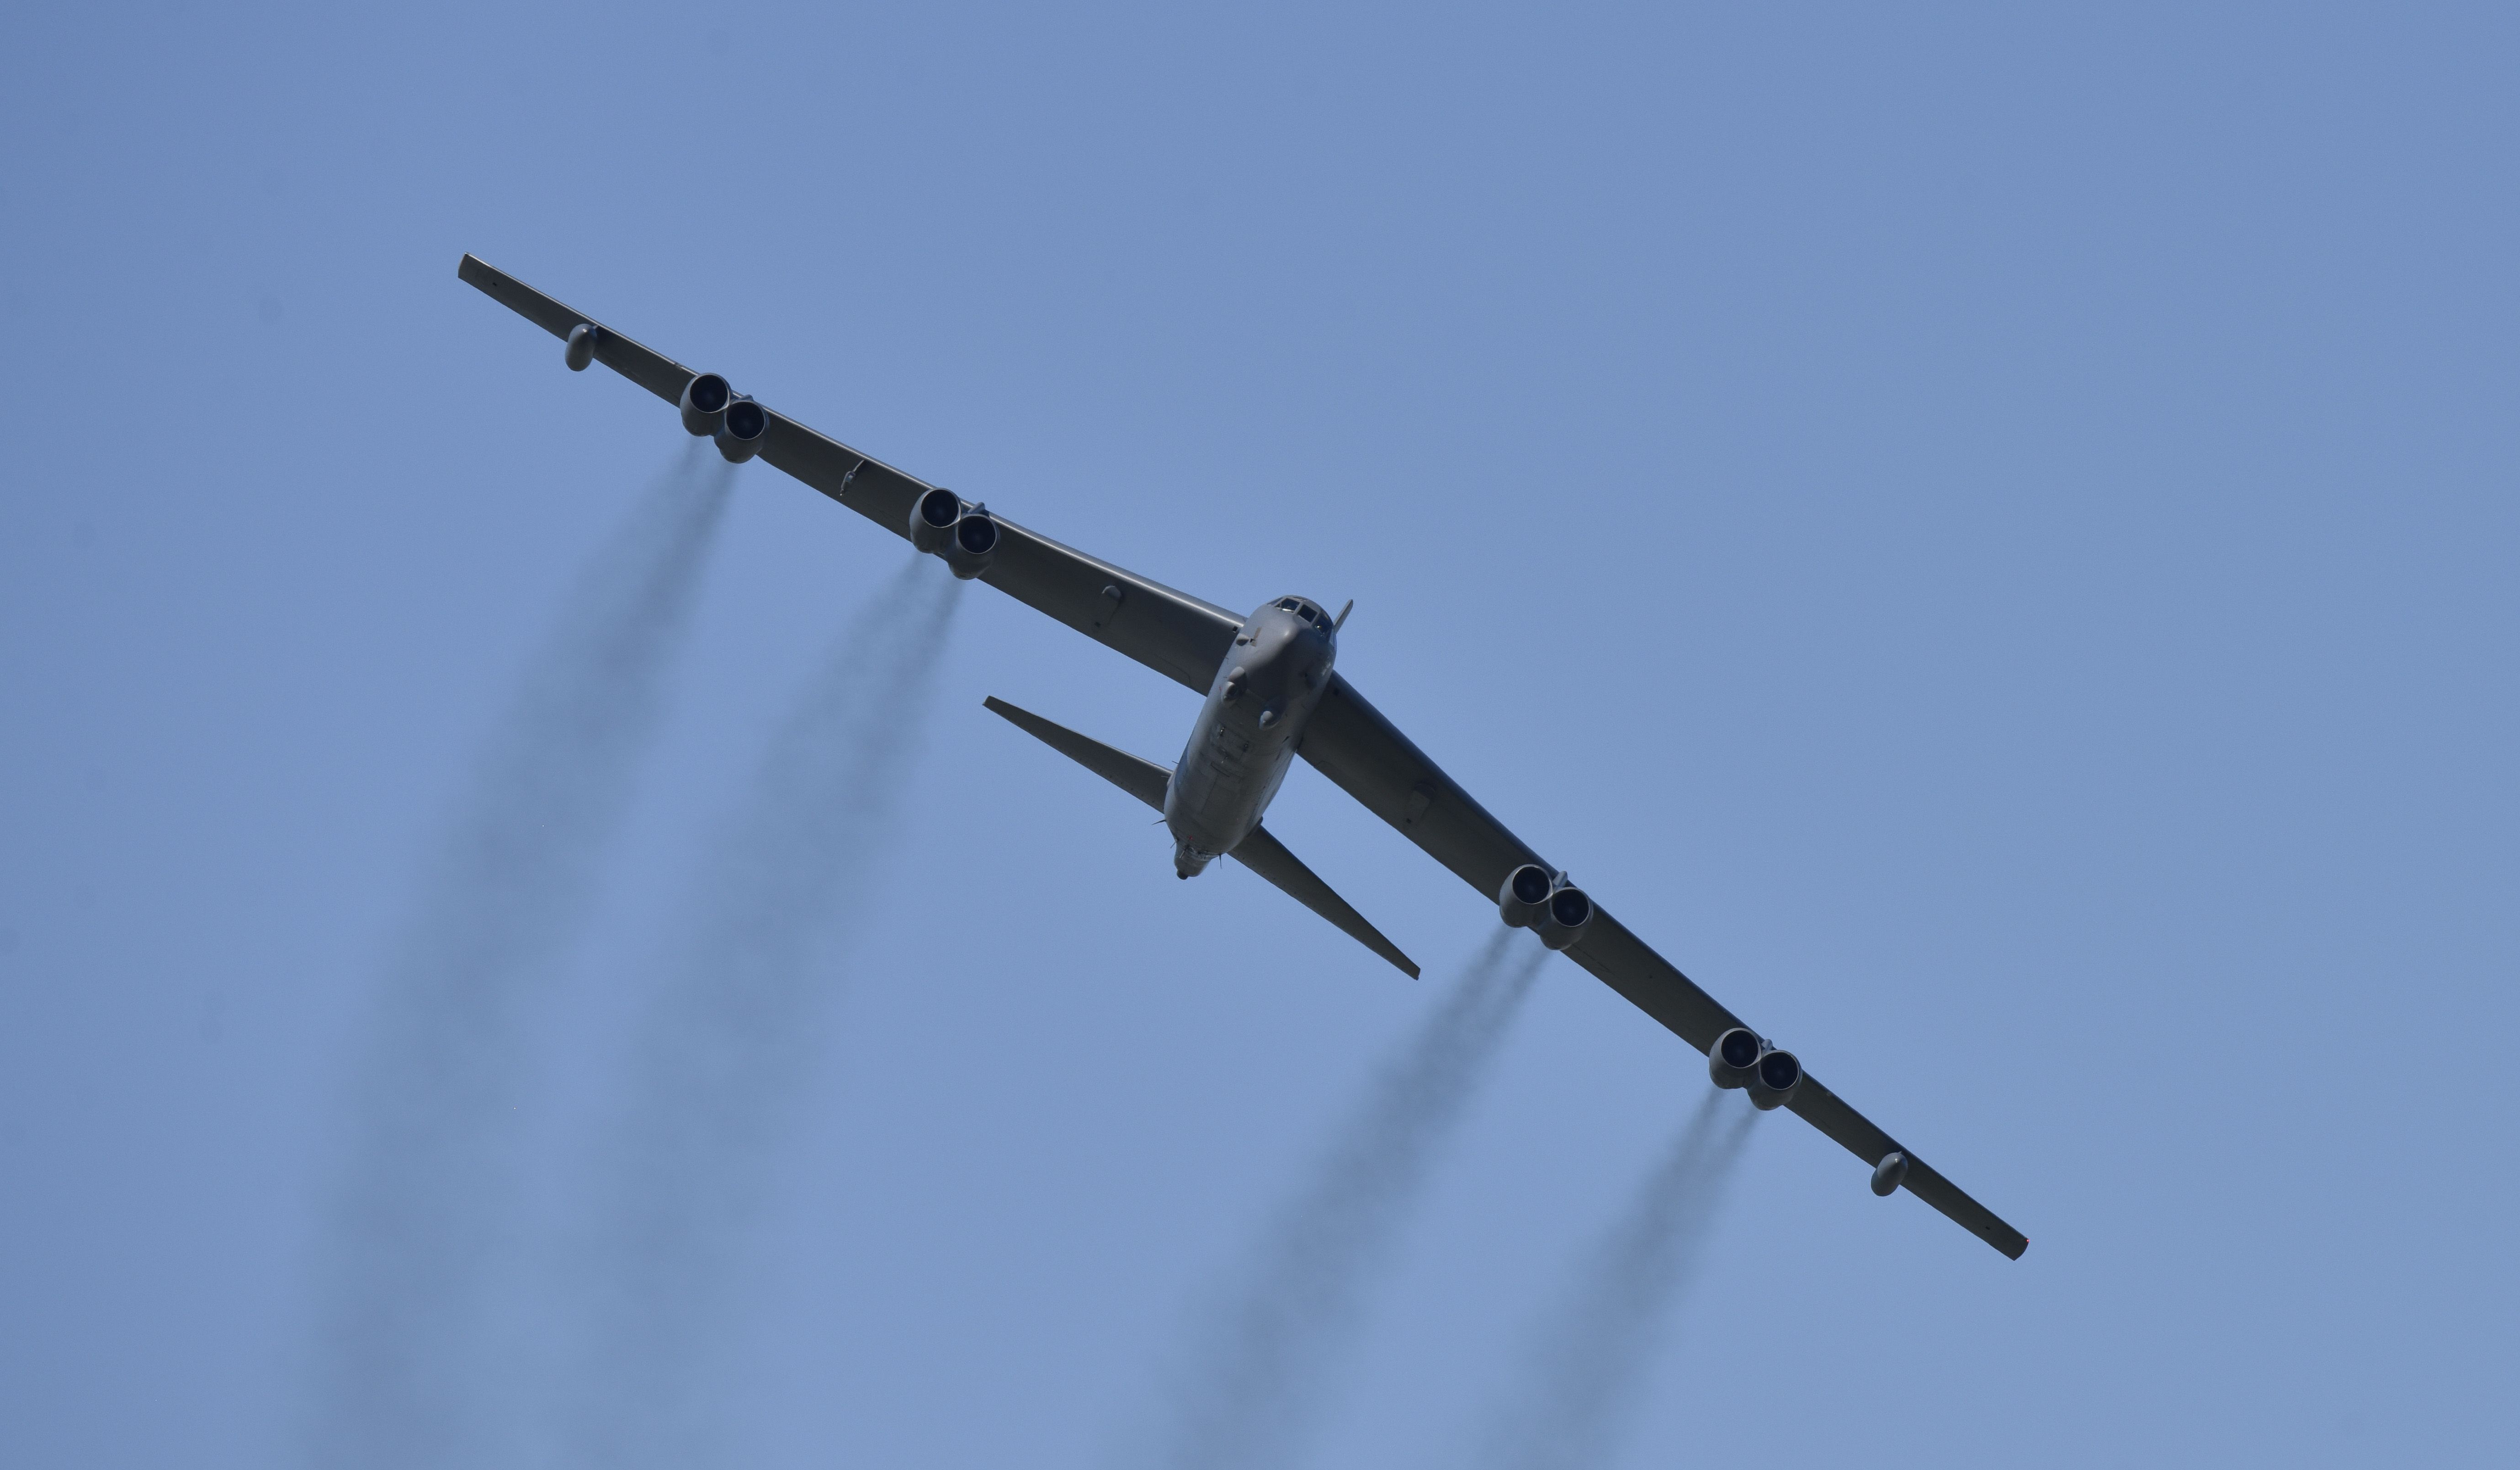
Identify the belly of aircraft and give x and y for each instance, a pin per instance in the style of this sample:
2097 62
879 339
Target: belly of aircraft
1223 785
1244 737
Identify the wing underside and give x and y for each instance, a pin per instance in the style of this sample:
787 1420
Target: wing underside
1348 741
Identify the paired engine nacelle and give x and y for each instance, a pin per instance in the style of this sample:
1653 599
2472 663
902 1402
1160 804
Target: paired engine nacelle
1534 898
711 410
965 536
1740 1058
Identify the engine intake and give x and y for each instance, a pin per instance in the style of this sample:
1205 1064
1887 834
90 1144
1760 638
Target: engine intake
1526 889
739 437
972 544
1740 1058
933 517
704 401
1773 1080
1534 898
1734 1057
1562 919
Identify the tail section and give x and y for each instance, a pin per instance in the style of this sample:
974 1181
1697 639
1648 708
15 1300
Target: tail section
1268 857
1260 852
1141 778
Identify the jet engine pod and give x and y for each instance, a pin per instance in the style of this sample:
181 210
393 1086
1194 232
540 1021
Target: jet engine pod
1562 921
931 520
1732 1058
704 401
581 347
1525 892
739 435
1889 1173
972 544
1773 1080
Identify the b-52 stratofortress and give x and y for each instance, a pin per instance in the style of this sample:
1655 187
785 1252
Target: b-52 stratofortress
1271 696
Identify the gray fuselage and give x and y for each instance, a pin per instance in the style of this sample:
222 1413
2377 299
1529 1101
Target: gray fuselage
1246 736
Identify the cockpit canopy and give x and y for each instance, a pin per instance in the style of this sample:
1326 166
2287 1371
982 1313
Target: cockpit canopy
1307 611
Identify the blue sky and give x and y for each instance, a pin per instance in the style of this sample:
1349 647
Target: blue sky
1987 537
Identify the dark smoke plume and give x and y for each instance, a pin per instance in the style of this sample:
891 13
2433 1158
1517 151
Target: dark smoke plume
1592 1353
730 1034
1255 1378
426 1211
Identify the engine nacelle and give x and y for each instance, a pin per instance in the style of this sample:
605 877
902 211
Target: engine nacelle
1525 893
740 431
973 544
704 401
1740 1058
581 347
933 517
1734 1057
1773 1080
1562 921
1534 898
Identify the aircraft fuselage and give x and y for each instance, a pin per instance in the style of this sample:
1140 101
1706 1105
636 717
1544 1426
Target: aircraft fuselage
1246 736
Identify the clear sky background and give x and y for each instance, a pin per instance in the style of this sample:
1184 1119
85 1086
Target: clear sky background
1988 538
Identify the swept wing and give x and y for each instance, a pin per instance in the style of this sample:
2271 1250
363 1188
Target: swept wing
1348 741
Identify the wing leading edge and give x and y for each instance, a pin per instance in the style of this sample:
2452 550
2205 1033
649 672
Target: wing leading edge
1348 741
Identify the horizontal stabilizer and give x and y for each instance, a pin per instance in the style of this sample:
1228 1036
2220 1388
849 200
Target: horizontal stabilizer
1141 778
1268 857
1261 853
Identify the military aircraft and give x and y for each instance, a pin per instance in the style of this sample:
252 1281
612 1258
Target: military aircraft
1272 696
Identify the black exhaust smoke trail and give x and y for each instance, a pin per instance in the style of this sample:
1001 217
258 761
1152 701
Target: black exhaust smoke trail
1255 1384
1594 1350
726 1048
425 1217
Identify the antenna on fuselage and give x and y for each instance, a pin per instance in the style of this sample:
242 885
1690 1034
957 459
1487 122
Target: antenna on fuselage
1340 621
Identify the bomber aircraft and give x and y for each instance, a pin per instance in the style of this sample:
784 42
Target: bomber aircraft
1270 695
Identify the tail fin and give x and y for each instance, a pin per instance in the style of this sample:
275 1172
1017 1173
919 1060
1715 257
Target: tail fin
1260 852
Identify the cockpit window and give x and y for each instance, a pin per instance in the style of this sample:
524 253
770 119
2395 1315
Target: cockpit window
1305 610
